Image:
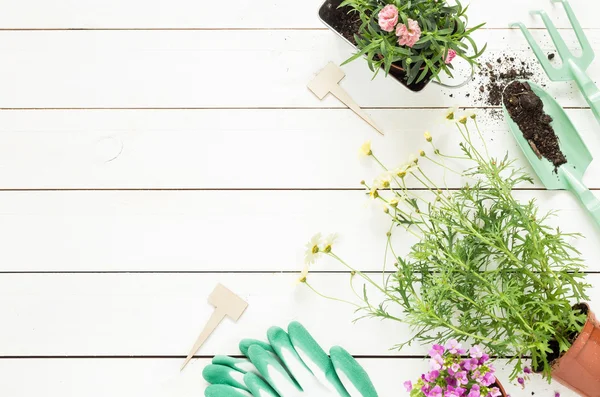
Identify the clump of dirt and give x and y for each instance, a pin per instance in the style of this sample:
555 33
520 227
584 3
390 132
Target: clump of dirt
527 111
495 74
341 20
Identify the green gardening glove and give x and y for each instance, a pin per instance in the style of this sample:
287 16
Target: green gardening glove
292 364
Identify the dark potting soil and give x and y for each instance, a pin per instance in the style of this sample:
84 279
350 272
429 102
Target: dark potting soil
553 345
527 111
347 24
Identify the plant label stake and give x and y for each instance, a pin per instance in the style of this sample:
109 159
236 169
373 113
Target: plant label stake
227 304
327 81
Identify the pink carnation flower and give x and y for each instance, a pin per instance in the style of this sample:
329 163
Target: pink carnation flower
388 18
408 35
450 57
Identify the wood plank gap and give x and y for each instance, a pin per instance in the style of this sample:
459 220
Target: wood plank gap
268 108
123 29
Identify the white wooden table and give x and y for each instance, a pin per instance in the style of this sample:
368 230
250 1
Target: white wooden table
150 149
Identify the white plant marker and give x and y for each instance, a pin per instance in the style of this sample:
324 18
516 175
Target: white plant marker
326 81
227 304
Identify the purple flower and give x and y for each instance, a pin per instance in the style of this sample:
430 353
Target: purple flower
461 377
521 381
425 389
432 376
451 382
556 394
474 391
436 350
488 379
527 370
476 351
408 385
484 357
454 347
494 392
435 392
436 363
460 391
454 368
470 364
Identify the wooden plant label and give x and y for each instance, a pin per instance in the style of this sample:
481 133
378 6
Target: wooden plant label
326 81
227 304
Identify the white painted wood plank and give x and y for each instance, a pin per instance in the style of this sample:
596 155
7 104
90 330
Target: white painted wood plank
237 14
213 230
162 314
186 69
224 149
161 378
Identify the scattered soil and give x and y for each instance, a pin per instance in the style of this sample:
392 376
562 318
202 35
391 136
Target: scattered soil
527 110
551 56
496 73
347 24
556 354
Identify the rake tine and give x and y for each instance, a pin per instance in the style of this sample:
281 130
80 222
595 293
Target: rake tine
551 71
587 54
560 44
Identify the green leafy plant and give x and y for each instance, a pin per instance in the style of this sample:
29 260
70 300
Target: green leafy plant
420 36
487 268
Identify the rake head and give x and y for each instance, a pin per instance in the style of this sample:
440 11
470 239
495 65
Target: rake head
569 61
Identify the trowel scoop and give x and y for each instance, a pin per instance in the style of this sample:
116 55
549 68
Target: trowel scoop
568 176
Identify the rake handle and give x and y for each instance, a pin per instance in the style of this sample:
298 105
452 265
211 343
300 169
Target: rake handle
583 193
589 90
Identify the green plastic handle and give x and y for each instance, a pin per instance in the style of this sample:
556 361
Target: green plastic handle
589 90
585 196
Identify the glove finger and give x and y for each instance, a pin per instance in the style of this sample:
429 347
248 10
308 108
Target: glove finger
239 364
225 391
272 371
246 343
223 375
355 379
258 387
315 358
281 343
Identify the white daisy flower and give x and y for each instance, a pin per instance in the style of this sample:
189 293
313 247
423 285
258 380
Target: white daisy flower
313 251
328 242
303 275
365 149
450 114
412 159
383 181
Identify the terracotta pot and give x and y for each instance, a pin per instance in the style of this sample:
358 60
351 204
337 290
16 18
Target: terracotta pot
499 385
579 368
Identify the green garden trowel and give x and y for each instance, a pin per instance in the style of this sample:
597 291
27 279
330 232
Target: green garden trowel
573 67
568 176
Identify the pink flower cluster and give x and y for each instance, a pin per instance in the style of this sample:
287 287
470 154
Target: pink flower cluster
451 375
408 34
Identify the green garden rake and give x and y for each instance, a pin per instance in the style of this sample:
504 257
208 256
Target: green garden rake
573 68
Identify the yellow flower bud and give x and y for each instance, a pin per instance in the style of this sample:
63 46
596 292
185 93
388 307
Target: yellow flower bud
428 137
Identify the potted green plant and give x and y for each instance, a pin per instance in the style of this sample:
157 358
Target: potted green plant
487 268
414 41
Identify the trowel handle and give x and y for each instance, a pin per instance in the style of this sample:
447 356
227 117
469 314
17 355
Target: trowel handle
589 90
585 196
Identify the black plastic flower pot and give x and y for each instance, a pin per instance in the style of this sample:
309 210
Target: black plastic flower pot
346 25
